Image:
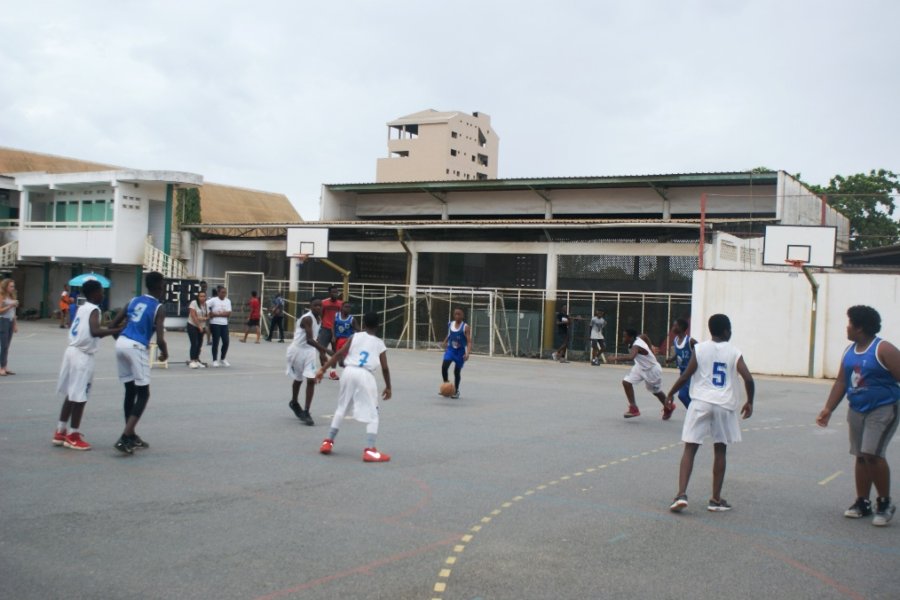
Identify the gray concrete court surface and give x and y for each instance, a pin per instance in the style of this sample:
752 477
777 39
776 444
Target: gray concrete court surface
532 485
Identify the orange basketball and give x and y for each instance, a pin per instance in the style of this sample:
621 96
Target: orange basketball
447 389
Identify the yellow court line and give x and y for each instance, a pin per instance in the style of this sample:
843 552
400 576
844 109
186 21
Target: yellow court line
830 478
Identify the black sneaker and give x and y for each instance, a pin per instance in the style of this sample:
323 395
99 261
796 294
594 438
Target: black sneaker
861 508
298 412
884 512
679 503
138 444
306 418
720 505
124 445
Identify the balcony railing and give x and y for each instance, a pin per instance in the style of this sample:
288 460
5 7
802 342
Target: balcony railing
68 224
157 260
9 254
9 223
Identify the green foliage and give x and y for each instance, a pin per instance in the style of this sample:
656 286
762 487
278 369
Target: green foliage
867 200
187 206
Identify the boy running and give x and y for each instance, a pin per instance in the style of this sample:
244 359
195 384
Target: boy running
344 327
133 355
359 390
456 344
683 345
646 368
301 359
869 376
255 309
77 370
331 306
712 371
598 342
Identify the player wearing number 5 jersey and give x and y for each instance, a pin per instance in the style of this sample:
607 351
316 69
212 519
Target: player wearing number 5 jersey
712 371
358 394
143 319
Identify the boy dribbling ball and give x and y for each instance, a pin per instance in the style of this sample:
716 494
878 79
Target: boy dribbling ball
77 370
358 395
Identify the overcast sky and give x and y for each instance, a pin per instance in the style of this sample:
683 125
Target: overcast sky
285 96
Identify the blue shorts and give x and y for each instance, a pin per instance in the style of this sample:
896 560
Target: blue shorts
457 355
684 393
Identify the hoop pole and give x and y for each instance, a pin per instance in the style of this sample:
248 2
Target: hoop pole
702 229
814 285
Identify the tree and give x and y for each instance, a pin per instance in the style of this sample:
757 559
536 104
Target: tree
187 207
867 200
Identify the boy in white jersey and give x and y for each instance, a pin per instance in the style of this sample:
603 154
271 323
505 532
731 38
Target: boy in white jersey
301 358
646 368
359 390
712 371
144 320
77 370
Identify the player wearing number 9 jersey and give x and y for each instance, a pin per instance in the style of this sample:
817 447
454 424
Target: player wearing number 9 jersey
712 371
358 394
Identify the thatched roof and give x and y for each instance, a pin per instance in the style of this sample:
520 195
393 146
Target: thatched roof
218 203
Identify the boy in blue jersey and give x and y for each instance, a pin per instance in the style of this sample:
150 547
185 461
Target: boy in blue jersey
144 318
456 344
869 376
344 328
683 345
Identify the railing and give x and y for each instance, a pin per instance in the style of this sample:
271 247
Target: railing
68 224
9 223
9 254
157 260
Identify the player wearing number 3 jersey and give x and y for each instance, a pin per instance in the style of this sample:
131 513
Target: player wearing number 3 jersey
358 394
712 371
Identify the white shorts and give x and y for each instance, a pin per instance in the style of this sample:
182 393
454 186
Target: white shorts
133 360
301 364
358 396
652 378
710 420
75 375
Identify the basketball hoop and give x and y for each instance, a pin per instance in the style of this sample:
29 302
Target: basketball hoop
796 263
301 258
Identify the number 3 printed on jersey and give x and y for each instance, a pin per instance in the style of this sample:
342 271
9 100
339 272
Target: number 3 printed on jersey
718 376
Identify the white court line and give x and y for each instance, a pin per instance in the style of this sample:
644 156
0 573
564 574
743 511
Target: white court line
830 478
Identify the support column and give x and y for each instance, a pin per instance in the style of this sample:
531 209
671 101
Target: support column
45 291
293 288
550 284
413 292
167 242
138 276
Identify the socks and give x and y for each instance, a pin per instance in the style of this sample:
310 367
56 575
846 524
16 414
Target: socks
61 426
370 440
332 433
73 430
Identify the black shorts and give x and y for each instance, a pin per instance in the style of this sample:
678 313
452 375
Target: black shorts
598 344
253 323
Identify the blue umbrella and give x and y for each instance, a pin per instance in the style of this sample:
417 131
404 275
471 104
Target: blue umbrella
80 279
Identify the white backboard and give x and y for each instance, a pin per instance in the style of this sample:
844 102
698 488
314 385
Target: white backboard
308 240
811 244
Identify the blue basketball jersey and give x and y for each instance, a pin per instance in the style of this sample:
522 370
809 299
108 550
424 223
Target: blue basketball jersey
343 328
682 352
869 383
141 319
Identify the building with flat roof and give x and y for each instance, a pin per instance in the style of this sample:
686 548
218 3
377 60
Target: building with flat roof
432 146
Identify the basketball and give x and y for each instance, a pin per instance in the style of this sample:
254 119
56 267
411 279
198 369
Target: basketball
447 389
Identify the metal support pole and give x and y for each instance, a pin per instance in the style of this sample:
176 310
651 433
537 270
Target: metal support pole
814 285
702 228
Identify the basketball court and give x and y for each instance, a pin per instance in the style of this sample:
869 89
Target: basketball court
531 485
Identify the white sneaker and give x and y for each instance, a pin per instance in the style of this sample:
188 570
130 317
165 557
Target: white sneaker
554 356
193 364
200 365
224 363
216 364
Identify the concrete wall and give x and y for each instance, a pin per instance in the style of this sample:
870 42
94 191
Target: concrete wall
770 315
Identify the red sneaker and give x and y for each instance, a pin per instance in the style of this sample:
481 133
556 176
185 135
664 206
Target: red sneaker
632 412
59 438
668 409
74 441
326 446
373 455
333 376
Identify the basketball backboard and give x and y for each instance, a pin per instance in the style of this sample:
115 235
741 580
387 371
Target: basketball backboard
312 241
812 245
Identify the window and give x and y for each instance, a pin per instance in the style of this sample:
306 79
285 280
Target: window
452 152
481 175
453 134
482 160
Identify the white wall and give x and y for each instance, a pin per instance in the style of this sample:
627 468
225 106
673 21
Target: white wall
770 315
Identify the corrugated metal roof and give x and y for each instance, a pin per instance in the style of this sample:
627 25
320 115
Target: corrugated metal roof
661 180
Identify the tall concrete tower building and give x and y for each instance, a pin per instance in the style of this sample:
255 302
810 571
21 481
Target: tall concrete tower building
440 146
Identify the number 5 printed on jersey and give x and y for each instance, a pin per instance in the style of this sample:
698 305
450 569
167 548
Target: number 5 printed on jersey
719 374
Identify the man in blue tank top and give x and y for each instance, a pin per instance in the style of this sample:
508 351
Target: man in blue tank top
683 345
869 375
456 345
144 319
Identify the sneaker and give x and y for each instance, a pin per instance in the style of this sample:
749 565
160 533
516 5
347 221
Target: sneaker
595 362
678 504
74 441
326 446
373 455
554 356
216 364
720 505
193 364
667 411
861 508
884 513
59 438
333 376
138 444
124 445
563 360
298 412
455 395
306 418
224 363
632 412
201 365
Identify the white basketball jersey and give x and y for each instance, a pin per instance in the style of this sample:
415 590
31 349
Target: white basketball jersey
644 361
80 332
716 375
365 351
300 333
